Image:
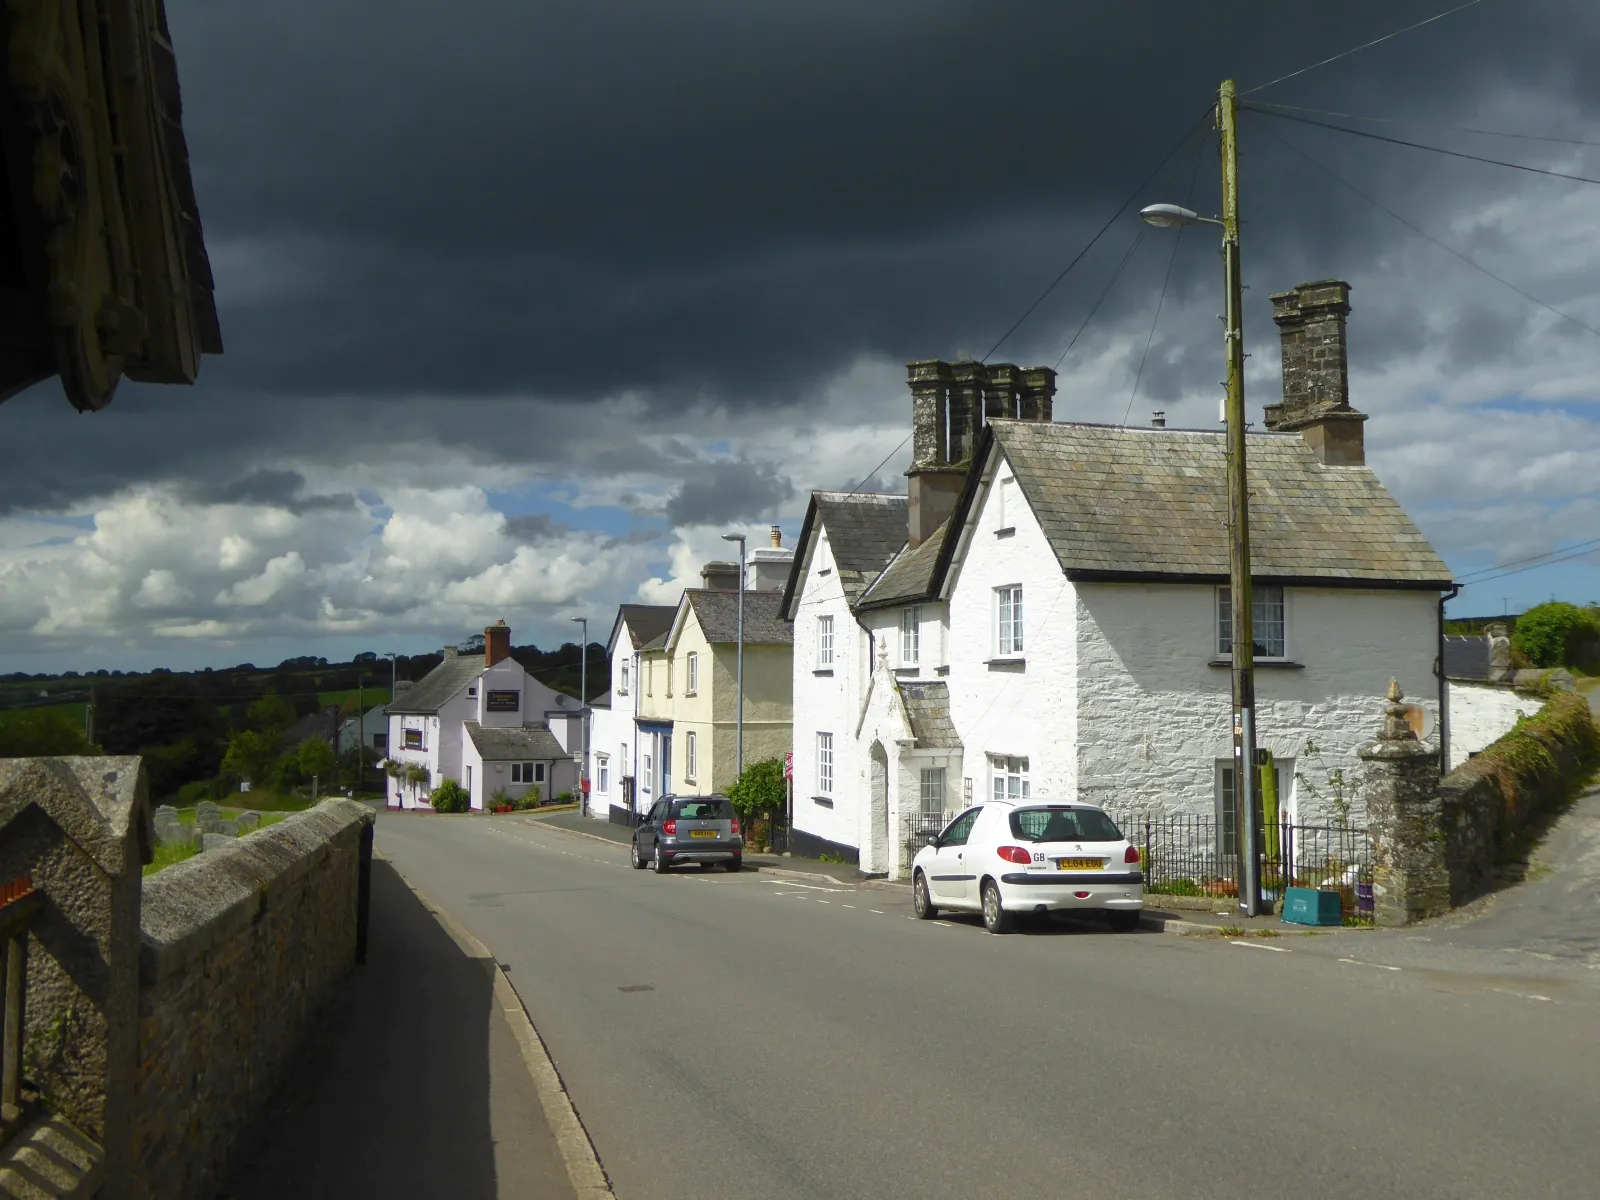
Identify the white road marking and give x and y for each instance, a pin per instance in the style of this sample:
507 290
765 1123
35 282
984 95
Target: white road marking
1259 946
1522 995
1358 963
879 911
843 906
811 887
824 901
944 925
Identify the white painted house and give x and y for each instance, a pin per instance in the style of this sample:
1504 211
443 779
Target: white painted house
487 724
1053 621
614 739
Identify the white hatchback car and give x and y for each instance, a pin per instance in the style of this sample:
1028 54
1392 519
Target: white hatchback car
1002 858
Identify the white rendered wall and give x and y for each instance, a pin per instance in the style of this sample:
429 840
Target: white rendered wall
1480 714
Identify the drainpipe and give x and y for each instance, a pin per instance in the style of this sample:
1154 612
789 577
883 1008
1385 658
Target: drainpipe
1444 698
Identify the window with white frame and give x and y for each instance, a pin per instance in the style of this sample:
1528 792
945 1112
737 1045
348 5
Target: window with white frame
691 757
825 641
911 635
691 671
1228 804
824 764
602 766
1266 618
933 791
522 772
622 679
1008 620
649 677
1009 778
647 776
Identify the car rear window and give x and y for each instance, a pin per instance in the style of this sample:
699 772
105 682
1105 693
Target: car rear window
712 808
1064 825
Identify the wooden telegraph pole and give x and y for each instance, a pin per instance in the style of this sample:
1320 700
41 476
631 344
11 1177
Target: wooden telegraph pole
1247 818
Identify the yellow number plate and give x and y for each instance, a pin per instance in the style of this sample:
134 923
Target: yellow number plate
694 833
1080 864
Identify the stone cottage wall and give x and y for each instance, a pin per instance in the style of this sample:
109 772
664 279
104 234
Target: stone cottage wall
240 947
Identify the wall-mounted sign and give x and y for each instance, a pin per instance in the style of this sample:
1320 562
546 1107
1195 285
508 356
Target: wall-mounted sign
502 701
413 739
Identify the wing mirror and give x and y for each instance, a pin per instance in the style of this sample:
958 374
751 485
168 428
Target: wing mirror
931 840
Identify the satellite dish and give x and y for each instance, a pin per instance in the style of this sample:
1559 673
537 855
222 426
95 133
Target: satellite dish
1420 720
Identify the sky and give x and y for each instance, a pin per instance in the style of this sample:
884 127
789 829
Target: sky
525 304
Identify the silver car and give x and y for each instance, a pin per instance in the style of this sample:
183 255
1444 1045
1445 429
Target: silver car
689 829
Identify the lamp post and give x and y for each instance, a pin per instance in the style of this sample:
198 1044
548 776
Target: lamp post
1241 626
583 712
388 746
739 755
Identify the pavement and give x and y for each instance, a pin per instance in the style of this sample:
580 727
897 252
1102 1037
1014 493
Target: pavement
755 1035
413 1084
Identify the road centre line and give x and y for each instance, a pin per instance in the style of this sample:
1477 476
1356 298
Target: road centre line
1259 946
879 911
1356 962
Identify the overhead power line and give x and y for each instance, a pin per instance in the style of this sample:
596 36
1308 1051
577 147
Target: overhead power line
1378 137
1575 550
1420 232
1364 46
1104 292
1264 105
1101 232
1519 570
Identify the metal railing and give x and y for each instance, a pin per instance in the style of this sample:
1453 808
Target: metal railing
20 900
1195 856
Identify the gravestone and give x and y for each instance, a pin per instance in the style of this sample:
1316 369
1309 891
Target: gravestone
207 808
166 810
208 824
248 821
174 832
215 841
228 828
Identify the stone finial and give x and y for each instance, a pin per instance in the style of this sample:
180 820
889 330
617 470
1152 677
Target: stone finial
1396 717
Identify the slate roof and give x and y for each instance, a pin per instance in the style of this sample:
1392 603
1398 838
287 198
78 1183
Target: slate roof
910 576
1466 657
864 532
718 614
928 708
1120 502
323 723
647 623
430 693
514 744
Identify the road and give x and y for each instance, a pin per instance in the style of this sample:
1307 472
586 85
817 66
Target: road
739 1036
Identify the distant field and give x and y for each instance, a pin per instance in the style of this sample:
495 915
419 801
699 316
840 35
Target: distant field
73 710
369 696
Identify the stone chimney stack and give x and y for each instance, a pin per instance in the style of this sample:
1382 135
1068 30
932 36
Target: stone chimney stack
768 568
496 644
1316 372
950 404
720 577
1158 420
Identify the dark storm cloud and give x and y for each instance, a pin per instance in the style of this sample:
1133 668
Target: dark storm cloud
281 489
568 200
727 491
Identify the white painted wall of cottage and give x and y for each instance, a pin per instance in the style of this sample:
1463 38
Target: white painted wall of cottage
828 703
611 732
1031 711
1153 716
1480 714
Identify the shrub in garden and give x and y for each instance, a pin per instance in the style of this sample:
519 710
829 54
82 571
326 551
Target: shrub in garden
451 797
1555 634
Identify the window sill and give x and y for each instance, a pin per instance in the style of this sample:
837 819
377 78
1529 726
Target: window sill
913 669
1266 664
1012 663
823 671
944 670
1008 531
825 801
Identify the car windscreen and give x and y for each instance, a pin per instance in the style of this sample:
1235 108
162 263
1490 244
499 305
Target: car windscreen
708 808
1063 825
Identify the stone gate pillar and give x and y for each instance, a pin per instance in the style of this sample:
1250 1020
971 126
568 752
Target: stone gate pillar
1410 879
79 830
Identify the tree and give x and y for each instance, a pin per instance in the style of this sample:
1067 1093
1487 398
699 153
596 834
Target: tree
248 756
43 733
1554 634
760 789
271 716
316 760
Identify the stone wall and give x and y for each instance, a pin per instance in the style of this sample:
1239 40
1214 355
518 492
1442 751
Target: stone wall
240 947
1480 713
1488 800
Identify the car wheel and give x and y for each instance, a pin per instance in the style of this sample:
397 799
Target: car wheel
995 918
1124 922
735 863
657 863
921 902
638 859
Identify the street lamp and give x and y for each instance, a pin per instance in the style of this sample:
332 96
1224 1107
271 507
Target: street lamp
739 757
583 709
388 739
1241 628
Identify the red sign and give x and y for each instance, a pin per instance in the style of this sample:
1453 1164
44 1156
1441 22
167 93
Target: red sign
788 765
585 786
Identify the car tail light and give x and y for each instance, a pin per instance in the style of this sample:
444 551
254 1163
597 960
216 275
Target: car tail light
1081 895
734 828
1131 855
1015 854
670 828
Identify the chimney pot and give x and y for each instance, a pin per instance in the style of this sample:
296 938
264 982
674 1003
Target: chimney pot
1158 420
777 538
